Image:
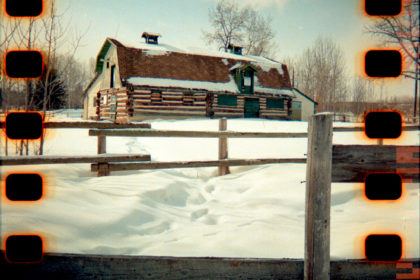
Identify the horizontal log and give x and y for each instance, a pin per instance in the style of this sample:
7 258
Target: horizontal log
94 125
352 163
137 91
84 266
188 164
102 158
229 114
230 110
204 134
167 107
165 93
140 95
172 97
273 112
173 103
141 101
185 112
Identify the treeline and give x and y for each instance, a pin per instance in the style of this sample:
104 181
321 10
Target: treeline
64 78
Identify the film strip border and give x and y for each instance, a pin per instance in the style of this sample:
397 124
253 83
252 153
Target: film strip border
23 248
379 186
28 248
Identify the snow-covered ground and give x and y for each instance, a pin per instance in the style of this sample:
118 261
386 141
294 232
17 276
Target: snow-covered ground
257 211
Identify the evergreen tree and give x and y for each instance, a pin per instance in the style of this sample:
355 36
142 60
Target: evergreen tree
56 92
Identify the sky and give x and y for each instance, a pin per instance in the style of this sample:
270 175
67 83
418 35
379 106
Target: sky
297 24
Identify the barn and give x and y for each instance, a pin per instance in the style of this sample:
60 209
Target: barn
154 79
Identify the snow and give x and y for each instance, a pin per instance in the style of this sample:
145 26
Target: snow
160 46
256 211
265 63
154 52
162 82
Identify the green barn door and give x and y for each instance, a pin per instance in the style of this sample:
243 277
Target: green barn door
252 108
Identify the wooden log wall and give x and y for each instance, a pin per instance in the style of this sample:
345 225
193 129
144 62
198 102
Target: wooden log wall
269 112
113 104
171 102
238 111
229 111
143 100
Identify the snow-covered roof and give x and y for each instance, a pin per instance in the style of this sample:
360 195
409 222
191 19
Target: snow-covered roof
164 65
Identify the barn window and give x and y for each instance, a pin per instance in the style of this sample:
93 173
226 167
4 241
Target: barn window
273 103
105 99
245 79
156 96
227 100
112 76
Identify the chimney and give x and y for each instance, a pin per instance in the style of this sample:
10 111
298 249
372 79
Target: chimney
150 38
235 49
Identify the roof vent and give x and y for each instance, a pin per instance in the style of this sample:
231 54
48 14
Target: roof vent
235 49
151 38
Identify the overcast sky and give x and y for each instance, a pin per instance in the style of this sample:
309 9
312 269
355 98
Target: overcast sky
297 24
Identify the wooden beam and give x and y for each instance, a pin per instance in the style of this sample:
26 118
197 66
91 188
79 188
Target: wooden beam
103 168
204 134
186 164
318 198
352 163
78 266
223 148
362 128
94 125
29 160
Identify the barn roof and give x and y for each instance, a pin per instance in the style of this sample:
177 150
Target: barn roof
162 65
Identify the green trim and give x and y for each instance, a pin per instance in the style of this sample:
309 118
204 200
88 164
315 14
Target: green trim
273 103
101 56
227 100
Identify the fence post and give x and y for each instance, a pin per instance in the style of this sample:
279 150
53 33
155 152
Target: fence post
318 198
103 168
223 148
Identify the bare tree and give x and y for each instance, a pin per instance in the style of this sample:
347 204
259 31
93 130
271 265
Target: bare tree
48 33
320 73
403 32
258 35
235 25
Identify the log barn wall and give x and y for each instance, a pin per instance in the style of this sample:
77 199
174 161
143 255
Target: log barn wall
136 103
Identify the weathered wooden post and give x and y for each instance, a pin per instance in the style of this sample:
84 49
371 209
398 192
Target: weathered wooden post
223 152
103 168
318 198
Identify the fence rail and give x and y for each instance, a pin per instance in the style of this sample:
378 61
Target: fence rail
90 125
104 158
184 164
80 266
192 133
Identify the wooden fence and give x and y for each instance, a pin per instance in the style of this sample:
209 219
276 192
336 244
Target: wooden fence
223 163
326 163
